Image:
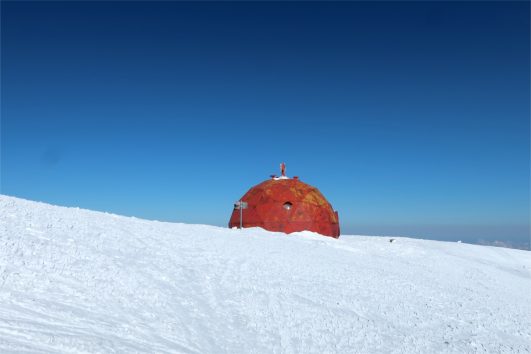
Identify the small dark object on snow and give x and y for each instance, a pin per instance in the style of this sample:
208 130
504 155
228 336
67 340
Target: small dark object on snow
392 240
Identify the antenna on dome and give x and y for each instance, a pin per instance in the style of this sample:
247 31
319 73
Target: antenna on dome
283 169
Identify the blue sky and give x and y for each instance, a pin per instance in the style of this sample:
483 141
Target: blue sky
412 118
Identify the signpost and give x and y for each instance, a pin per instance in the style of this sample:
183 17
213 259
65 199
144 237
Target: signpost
241 205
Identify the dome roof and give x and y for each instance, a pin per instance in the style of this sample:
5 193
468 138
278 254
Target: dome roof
286 205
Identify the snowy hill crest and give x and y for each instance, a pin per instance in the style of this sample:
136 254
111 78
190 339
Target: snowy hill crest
84 281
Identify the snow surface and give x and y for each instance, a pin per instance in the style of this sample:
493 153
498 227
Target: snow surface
74 280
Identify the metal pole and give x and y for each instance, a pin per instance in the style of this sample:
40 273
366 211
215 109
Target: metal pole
241 214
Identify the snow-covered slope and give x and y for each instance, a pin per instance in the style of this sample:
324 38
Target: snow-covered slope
75 280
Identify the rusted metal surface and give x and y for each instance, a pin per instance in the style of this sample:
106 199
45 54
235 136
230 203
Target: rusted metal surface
287 205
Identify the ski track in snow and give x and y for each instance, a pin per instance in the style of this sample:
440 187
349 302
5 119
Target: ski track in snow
74 280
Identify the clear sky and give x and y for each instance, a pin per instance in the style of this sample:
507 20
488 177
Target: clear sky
412 118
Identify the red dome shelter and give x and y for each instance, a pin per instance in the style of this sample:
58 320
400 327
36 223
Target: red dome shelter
287 205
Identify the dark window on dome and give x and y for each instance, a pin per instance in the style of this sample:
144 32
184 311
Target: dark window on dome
287 205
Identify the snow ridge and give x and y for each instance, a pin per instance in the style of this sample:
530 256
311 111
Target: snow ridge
74 280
